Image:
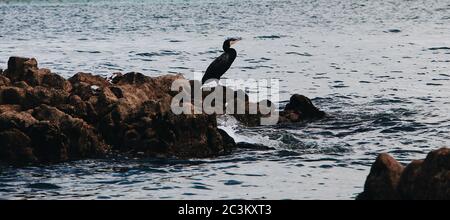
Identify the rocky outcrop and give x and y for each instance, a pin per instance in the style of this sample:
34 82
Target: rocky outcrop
427 179
45 118
299 109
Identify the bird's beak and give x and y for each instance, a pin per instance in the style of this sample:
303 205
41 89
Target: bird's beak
234 41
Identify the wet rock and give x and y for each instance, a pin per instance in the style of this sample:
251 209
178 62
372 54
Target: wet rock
237 103
299 109
188 136
48 142
303 107
81 139
50 136
427 179
383 179
15 147
136 117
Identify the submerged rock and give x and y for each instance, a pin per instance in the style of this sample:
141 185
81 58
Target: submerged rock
300 108
427 179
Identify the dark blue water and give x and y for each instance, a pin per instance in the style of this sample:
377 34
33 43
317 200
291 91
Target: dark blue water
379 68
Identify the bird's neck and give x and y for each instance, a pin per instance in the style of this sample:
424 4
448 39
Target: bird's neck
226 46
227 49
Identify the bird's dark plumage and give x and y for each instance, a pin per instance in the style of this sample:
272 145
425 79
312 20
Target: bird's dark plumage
222 63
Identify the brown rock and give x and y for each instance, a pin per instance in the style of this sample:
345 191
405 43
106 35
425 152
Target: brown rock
82 139
19 66
10 108
12 95
131 78
48 113
303 106
4 81
24 69
89 79
13 119
15 147
383 179
57 82
427 179
42 95
34 77
191 136
48 142
73 119
22 85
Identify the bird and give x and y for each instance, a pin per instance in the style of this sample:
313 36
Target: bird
222 63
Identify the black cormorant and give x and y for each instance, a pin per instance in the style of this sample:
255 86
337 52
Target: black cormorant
221 64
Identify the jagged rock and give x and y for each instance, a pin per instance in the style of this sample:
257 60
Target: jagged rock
24 69
56 81
89 79
88 116
48 142
4 81
82 139
22 85
12 119
15 147
86 85
141 120
53 136
8 108
42 95
427 179
18 67
12 95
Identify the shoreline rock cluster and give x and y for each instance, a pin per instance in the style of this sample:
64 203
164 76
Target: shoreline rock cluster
427 179
45 118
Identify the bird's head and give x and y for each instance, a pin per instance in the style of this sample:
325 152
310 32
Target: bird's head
230 42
